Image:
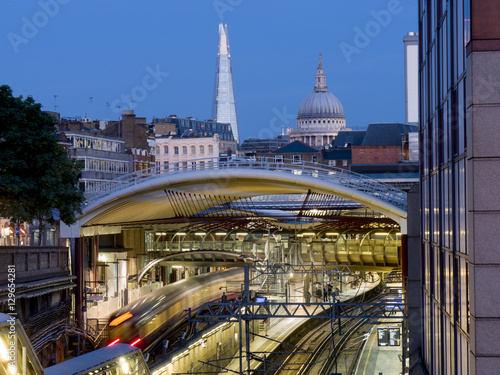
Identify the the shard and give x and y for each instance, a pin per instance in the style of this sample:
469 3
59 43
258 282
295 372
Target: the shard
224 106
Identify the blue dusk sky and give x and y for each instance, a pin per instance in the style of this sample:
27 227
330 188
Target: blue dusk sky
158 56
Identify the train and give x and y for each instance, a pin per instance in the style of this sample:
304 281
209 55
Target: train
146 320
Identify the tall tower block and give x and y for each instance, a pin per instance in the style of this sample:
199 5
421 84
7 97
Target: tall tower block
224 106
411 78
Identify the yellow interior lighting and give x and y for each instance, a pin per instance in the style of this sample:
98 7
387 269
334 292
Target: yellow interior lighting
120 319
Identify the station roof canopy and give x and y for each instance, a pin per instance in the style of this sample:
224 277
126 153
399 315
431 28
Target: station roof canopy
248 196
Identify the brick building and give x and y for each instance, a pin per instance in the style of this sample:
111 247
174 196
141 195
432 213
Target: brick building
138 139
382 144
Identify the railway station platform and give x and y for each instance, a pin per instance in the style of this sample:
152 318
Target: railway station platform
380 360
285 327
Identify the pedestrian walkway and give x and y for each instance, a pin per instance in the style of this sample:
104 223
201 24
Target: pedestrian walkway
285 327
380 360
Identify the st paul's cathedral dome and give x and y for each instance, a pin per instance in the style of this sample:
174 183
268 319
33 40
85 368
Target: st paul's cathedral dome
320 116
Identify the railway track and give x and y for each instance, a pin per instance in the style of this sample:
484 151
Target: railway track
320 350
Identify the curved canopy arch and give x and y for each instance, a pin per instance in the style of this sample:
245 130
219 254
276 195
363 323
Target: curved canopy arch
182 254
146 200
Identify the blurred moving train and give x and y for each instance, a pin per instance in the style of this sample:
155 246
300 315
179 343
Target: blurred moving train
146 320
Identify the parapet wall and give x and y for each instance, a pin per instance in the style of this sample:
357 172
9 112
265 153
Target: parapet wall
218 346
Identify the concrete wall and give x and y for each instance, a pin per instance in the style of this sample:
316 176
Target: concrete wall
33 262
414 283
483 203
222 342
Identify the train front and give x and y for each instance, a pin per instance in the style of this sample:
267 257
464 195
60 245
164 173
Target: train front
123 329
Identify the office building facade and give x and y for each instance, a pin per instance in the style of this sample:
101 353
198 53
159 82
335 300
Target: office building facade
459 56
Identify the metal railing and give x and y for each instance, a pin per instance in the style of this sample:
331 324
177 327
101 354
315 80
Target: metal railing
352 180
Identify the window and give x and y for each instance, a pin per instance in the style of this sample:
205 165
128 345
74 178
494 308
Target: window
193 150
202 150
297 158
278 158
344 163
157 150
165 149
184 150
176 150
314 158
210 149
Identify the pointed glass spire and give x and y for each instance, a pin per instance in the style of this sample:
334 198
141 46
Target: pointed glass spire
320 77
224 106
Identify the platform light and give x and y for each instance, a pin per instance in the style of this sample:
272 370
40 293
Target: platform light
180 234
161 233
398 234
332 234
200 341
4 352
177 267
124 365
200 234
381 234
309 234
220 234
241 234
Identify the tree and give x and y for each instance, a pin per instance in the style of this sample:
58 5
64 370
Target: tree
38 180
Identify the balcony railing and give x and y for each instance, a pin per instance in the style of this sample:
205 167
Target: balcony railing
344 177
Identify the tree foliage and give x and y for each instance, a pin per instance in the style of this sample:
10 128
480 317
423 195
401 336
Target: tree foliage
38 180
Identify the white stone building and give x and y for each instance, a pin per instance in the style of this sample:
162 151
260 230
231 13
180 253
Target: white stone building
183 150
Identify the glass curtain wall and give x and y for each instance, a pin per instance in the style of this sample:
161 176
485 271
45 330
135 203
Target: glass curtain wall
444 32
